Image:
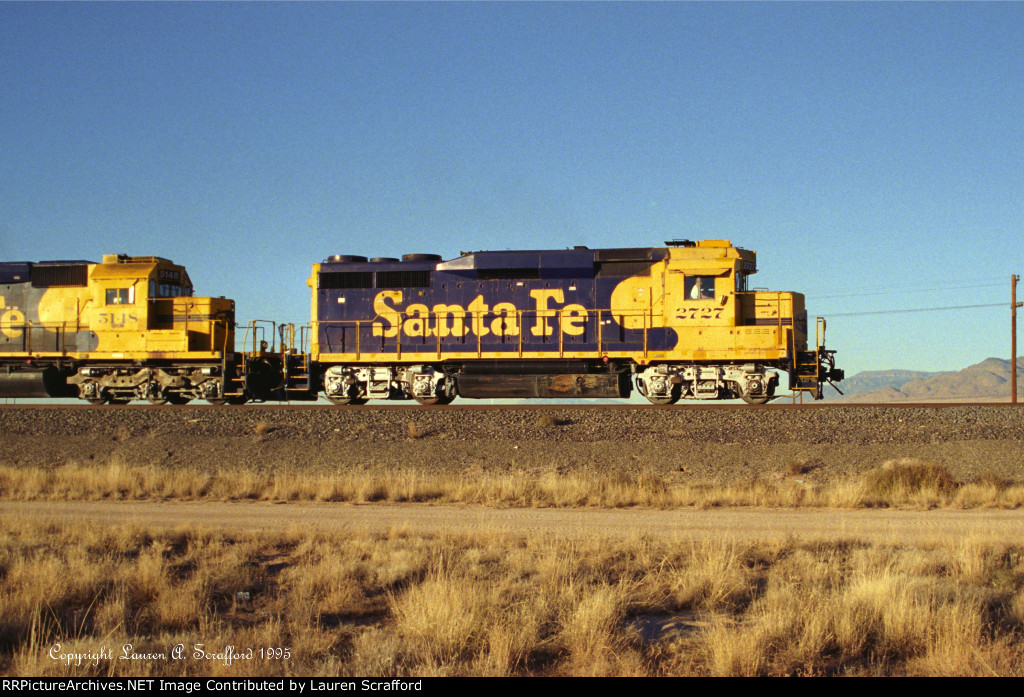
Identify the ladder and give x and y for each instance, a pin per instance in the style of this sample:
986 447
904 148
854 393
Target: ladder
295 365
809 370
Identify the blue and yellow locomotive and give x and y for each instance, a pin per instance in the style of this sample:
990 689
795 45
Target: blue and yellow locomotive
126 328
677 321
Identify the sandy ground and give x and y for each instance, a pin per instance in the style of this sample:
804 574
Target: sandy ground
740 525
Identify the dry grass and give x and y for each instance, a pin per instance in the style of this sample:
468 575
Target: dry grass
415 430
483 604
903 483
547 420
797 467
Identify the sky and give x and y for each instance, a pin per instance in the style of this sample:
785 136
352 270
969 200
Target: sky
871 153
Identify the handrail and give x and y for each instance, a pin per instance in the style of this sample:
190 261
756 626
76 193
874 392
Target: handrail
259 329
557 321
28 327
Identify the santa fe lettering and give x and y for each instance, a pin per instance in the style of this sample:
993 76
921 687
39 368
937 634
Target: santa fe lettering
479 318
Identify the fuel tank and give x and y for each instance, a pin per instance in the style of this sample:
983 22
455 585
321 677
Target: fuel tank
545 386
42 383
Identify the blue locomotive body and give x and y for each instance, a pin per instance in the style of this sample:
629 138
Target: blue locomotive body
502 304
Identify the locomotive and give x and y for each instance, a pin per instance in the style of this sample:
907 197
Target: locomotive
677 322
123 329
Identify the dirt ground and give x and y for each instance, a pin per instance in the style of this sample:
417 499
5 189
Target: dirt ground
743 526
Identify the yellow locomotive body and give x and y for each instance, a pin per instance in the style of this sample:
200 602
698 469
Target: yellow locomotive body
123 329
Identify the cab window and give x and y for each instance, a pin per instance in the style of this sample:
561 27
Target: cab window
700 287
121 296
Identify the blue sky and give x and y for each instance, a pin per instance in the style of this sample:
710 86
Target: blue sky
871 153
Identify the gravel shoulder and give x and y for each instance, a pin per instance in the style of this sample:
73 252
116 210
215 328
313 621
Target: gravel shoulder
678 444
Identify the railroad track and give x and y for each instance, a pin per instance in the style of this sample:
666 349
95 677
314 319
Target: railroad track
783 405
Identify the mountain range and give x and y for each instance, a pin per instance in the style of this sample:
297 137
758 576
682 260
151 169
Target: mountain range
988 381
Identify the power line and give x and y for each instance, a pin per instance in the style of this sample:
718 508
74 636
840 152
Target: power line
932 280
889 290
917 309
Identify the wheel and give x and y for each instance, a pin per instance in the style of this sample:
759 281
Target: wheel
436 400
342 401
221 401
759 398
90 391
155 394
671 398
118 402
177 399
349 396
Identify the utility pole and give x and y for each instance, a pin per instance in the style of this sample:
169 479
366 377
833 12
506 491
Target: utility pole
1013 337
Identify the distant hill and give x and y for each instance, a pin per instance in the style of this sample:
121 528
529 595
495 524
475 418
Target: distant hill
876 381
985 381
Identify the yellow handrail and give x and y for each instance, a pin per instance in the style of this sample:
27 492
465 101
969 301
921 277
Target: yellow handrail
593 324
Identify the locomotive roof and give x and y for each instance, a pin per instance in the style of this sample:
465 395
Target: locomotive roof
21 271
117 266
550 258
576 258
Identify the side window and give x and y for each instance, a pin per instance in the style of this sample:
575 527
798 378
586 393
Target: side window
170 290
121 296
700 287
